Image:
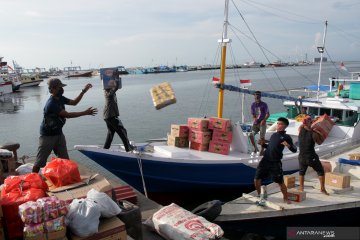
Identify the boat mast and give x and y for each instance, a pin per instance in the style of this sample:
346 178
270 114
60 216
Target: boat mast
321 50
224 40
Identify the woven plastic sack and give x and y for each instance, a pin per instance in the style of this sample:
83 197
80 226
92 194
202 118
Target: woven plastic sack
62 172
176 223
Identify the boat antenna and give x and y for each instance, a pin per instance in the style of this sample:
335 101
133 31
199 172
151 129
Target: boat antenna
224 41
321 50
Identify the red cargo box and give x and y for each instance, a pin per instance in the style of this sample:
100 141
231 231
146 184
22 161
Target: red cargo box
199 136
323 125
125 193
221 124
220 136
199 146
200 124
219 147
179 130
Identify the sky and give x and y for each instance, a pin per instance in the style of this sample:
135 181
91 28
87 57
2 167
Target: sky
140 33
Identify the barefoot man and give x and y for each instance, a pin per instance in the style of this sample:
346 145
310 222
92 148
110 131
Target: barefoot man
270 165
308 156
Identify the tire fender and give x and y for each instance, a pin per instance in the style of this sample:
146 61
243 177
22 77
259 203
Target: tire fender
209 210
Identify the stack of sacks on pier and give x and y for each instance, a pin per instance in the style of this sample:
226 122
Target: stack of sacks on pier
42 204
222 135
179 136
199 134
17 190
44 218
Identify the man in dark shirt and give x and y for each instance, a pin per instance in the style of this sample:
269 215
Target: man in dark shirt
270 164
111 117
260 113
51 134
308 156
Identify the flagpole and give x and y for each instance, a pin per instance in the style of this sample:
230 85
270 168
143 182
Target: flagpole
224 40
321 50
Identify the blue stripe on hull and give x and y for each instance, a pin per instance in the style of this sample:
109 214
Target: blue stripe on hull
162 177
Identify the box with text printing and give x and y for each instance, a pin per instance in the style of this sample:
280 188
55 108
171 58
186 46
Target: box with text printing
200 124
296 196
221 124
179 130
199 136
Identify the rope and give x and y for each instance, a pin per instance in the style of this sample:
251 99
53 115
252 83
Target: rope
138 156
263 94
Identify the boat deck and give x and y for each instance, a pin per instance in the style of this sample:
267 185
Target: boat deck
245 207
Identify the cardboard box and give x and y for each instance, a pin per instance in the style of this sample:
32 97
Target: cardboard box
323 125
289 181
221 124
338 180
354 156
179 130
326 165
296 196
162 95
109 76
181 142
199 146
109 229
100 184
219 147
199 136
200 124
220 136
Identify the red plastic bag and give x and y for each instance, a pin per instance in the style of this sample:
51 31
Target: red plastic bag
23 183
62 172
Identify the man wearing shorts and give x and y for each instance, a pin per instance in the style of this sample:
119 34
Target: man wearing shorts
260 113
308 156
270 165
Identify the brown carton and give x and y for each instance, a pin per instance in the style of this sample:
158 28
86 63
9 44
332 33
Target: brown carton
100 184
296 196
109 229
338 180
289 181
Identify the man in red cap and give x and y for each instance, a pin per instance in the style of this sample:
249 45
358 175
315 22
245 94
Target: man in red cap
51 135
307 156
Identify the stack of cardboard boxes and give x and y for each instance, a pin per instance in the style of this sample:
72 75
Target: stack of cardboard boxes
179 136
222 135
203 134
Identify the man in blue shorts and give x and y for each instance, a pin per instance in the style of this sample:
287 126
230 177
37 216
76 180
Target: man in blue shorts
51 135
270 165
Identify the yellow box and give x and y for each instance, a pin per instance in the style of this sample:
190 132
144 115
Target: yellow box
162 95
289 181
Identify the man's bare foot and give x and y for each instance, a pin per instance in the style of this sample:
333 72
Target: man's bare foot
301 189
325 192
287 201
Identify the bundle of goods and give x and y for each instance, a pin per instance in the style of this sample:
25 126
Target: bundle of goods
16 191
44 218
62 172
162 95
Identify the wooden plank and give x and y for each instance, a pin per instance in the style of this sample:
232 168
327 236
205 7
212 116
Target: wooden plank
267 203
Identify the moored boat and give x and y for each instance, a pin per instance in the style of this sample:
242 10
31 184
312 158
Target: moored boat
158 169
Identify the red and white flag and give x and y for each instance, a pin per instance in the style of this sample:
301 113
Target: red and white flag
245 82
342 66
216 80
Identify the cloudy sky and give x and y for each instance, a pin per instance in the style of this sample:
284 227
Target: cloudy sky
101 33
